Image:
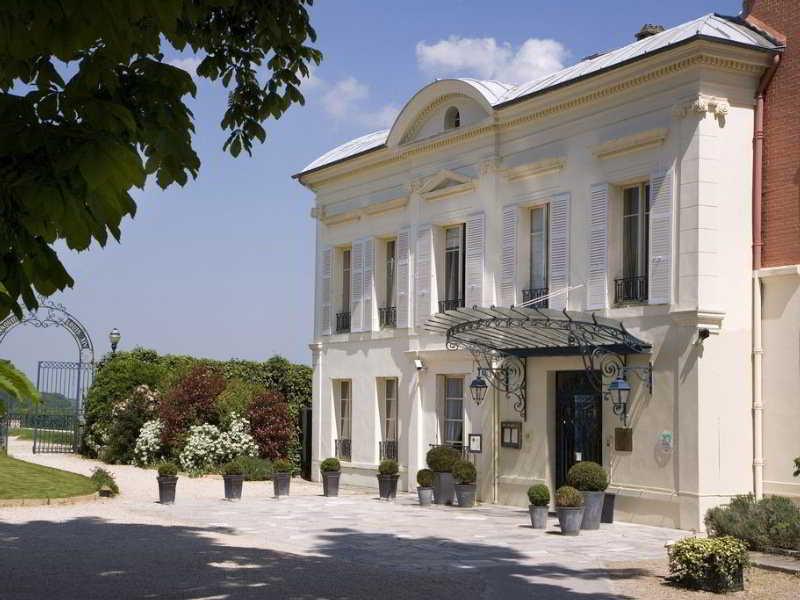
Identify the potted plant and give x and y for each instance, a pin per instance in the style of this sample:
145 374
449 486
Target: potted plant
591 480
425 487
281 476
539 498
441 460
388 474
330 468
569 510
233 477
167 480
465 474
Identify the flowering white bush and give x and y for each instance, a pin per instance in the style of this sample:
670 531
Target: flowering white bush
207 446
148 444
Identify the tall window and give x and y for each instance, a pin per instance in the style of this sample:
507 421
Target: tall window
538 254
346 280
453 411
345 410
635 239
452 118
390 414
390 268
454 267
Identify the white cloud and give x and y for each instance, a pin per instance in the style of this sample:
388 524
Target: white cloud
188 64
485 58
347 100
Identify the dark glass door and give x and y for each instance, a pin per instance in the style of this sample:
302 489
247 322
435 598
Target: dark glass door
579 422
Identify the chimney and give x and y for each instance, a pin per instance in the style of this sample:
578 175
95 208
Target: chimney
647 30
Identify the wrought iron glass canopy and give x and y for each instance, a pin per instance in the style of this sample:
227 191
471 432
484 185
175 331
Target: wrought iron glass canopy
500 339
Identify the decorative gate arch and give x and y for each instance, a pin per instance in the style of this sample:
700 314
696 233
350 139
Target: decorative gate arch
57 429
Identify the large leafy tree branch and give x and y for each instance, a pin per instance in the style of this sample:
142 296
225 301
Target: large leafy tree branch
89 109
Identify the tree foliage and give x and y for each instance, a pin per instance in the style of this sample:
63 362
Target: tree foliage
272 426
192 401
89 108
15 385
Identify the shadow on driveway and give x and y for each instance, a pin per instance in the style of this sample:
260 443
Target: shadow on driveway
90 558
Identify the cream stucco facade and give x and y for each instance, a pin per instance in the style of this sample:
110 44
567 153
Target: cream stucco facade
685 114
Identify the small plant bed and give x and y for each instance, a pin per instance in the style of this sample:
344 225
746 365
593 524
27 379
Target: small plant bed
20 480
710 564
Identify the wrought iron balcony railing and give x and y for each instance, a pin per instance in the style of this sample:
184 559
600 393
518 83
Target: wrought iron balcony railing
630 289
533 294
388 449
342 322
387 316
453 304
342 449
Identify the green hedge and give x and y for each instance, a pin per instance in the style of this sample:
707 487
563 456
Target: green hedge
117 376
772 522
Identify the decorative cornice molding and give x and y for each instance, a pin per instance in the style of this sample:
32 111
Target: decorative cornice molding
782 271
533 169
700 319
631 143
701 105
386 205
489 166
430 188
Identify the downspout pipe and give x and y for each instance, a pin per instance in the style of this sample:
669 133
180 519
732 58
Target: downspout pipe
758 243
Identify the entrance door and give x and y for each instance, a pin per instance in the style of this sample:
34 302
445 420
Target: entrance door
579 422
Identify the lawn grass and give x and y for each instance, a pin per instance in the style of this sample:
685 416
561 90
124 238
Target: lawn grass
20 480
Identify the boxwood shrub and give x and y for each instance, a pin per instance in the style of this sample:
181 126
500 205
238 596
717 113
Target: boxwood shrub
232 468
712 564
388 467
167 469
282 466
442 458
539 495
587 476
255 469
464 472
425 478
772 522
568 497
330 465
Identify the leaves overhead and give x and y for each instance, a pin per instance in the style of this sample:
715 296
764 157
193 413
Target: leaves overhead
89 109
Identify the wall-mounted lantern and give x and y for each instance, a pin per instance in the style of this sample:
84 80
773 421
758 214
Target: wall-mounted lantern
619 392
478 389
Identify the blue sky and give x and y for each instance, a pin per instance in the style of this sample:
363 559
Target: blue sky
224 266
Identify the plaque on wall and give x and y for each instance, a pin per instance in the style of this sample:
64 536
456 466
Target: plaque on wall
475 443
623 439
511 434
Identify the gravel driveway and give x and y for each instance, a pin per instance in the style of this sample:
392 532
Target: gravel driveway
305 546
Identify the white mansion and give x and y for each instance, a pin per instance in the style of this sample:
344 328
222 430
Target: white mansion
551 239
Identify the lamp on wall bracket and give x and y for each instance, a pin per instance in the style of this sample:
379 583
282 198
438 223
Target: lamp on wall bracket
507 374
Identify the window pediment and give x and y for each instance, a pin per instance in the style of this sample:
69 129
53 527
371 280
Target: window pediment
443 184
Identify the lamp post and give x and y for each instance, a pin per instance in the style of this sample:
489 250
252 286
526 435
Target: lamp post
619 390
114 336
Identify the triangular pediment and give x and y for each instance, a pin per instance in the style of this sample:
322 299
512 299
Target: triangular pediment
445 183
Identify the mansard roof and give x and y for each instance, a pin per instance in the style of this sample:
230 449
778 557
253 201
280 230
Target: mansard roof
712 27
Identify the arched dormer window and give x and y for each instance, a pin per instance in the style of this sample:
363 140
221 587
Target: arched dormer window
452 118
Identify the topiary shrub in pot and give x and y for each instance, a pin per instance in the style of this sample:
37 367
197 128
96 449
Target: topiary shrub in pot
711 564
330 469
281 477
167 481
569 510
465 475
388 474
233 477
441 460
591 480
539 498
425 487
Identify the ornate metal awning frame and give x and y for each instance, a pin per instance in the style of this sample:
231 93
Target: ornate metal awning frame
501 339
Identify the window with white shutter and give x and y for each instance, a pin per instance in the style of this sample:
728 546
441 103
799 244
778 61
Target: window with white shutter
325 291
368 319
508 277
559 250
475 243
403 278
422 274
632 286
357 286
597 277
660 243
453 287
538 262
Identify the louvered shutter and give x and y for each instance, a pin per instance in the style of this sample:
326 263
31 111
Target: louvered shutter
475 242
422 274
660 250
325 305
597 280
559 250
403 282
357 286
369 284
508 277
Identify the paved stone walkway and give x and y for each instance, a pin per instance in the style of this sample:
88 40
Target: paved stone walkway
304 546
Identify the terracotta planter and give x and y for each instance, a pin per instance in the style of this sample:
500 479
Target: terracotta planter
387 486
280 484
569 519
443 488
538 516
233 486
166 489
330 483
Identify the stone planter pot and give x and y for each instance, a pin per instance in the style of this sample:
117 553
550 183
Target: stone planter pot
425 496
569 519
592 509
538 516
387 486
280 484
233 486
465 493
608 508
443 488
166 489
330 483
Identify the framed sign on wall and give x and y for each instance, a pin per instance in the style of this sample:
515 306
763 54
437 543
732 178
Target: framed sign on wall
475 443
511 434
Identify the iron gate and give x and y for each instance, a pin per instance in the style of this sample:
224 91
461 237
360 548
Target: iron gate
58 421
